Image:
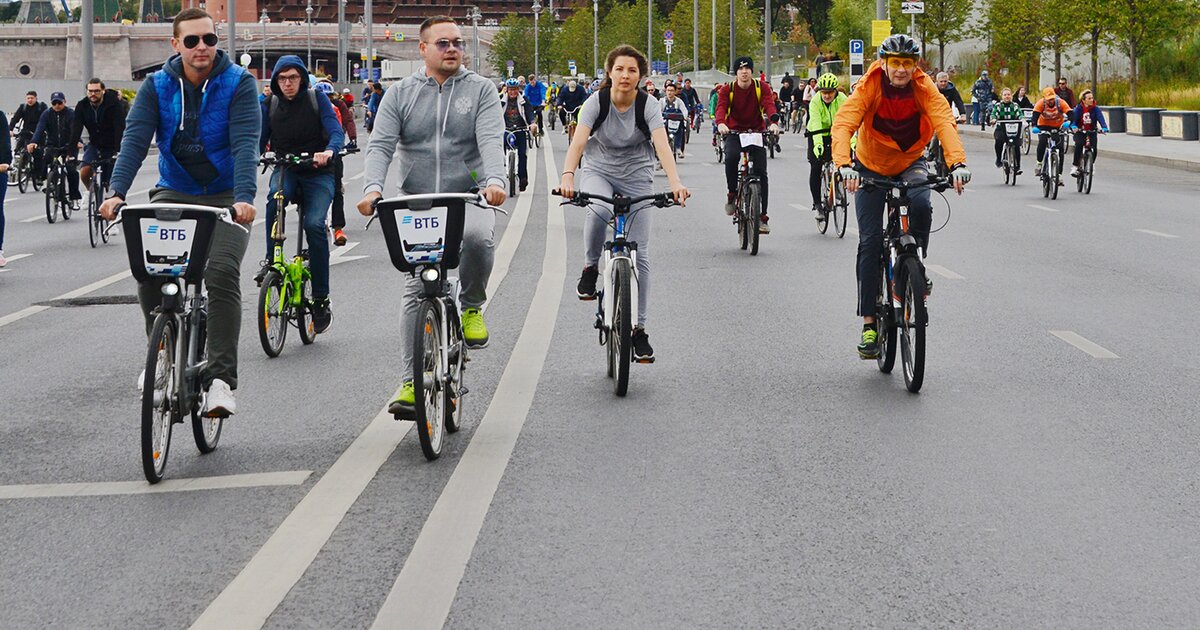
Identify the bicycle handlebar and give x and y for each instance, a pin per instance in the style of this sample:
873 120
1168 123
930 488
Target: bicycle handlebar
228 214
474 198
581 198
933 183
809 134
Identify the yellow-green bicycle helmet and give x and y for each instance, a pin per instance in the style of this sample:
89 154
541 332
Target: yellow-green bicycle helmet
828 81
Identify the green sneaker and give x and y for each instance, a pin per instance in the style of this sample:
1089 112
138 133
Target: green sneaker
474 330
405 405
869 348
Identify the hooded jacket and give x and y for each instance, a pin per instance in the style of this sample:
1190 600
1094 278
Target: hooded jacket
224 127
105 123
450 136
54 129
877 151
313 131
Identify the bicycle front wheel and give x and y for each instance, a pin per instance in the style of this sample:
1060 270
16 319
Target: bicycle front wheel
827 204
455 389
912 325
1086 171
1055 172
24 175
620 343
428 384
304 314
159 388
272 313
51 206
93 221
742 218
885 323
754 206
841 209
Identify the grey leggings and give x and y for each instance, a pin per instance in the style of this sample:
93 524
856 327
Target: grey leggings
637 228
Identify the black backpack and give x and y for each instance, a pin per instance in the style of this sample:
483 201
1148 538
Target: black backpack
639 106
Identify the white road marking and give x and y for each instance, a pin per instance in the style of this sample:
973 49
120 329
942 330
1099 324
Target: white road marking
944 272
359 176
33 310
341 251
1143 231
34 219
110 488
428 583
345 259
1083 344
248 600
1046 208
18 257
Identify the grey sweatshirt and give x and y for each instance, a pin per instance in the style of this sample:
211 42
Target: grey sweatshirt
450 136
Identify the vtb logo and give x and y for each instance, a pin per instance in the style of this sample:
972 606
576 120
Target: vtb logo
168 234
421 223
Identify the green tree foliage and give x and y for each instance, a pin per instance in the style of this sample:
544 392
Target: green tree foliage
749 32
574 41
849 19
1014 26
944 22
1139 25
515 41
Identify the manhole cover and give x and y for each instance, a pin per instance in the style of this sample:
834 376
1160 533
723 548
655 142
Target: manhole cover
99 300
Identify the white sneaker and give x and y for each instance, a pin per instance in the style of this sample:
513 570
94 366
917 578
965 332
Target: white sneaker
1074 171
141 382
218 400
3 260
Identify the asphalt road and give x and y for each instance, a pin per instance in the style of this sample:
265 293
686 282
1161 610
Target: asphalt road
757 475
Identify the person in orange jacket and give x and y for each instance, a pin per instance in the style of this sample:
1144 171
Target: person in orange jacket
896 108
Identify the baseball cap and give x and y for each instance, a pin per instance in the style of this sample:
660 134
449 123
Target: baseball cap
1049 92
345 90
743 62
58 97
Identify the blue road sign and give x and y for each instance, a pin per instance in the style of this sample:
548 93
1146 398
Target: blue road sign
668 34
856 46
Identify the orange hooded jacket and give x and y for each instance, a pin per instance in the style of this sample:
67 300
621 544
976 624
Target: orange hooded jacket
879 152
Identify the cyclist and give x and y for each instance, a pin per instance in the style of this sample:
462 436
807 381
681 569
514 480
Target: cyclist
348 97
6 158
346 118
571 98
1006 109
102 113
373 104
54 131
620 160
1087 117
821 113
535 99
982 94
517 120
1051 111
948 90
675 108
298 119
652 91
896 109
1021 98
443 143
1064 92
691 97
28 114
743 106
810 92
203 111
789 96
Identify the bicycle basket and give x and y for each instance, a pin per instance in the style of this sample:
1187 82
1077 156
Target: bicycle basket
1012 128
422 231
165 241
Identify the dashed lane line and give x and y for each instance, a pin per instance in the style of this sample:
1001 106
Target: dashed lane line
1090 347
1156 233
112 488
1046 208
944 272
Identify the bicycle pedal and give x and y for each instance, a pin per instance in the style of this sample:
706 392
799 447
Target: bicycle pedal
644 361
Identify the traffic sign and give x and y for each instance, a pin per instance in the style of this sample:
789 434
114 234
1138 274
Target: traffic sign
571 66
912 7
668 43
510 64
668 34
856 48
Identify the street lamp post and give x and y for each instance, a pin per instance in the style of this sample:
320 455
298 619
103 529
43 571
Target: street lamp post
695 35
650 35
475 16
766 40
308 10
537 10
732 36
370 40
596 35
263 18
342 27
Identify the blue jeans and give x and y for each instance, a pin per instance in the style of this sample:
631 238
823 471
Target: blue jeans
869 210
3 192
312 193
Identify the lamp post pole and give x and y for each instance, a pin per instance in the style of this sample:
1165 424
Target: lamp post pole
650 35
341 64
370 43
537 10
732 36
714 34
695 35
766 40
308 11
475 16
263 18
596 35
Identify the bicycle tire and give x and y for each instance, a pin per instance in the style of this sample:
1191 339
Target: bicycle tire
428 392
304 314
885 325
537 139
1054 175
157 417
622 326
741 218
826 201
272 313
455 389
206 431
51 206
23 175
912 324
1006 164
755 218
512 174
843 207
1089 161
93 221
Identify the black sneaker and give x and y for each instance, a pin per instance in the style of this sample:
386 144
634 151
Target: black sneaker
642 352
263 267
523 185
869 347
322 315
587 283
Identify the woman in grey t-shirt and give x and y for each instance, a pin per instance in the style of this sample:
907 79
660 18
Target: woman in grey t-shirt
619 159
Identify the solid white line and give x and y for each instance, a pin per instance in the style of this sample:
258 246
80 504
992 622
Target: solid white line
1047 209
33 310
1083 344
18 257
428 583
511 239
110 488
1150 232
34 219
944 272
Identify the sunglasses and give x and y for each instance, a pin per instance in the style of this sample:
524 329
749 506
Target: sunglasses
897 63
191 41
444 45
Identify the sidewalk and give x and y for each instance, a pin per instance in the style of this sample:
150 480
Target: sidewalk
1155 151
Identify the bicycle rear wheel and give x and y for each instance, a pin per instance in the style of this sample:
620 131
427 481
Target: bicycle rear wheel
159 389
51 205
304 314
206 431
620 346
428 386
272 313
1089 165
885 324
912 324
841 209
455 389
754 221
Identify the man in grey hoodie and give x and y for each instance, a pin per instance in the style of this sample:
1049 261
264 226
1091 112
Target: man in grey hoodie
204 112
449 126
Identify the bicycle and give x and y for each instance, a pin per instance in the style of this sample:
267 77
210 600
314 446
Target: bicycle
24 174
98 226
511 157
57 200
1010 155
747 216
168 244
1087 162
834 199
1052 162
424 236
771 141
572 122
719 144
899 312
1026 135
617 300
553 112
675 126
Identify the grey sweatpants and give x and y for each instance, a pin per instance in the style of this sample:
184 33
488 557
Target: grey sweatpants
637 226
225 254
474 270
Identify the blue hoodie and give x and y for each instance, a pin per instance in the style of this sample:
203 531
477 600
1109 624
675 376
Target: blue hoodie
216 125
329 120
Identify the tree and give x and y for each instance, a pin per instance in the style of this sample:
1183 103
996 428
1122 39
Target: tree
816 15
574 42
1142 24
944 21
1014 26
1061 27
749 31
849 19
514 40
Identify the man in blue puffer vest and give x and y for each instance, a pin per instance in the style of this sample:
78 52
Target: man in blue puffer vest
204 111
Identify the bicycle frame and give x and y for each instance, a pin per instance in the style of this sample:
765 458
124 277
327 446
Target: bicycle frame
294 272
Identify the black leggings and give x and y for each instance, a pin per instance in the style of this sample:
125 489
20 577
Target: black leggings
1079 140
815 164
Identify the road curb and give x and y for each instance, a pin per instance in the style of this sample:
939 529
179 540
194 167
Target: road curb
1151 160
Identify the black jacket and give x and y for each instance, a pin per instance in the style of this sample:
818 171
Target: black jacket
952 95
30 115
54 129
105 123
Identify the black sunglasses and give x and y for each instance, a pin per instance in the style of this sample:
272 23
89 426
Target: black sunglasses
444 45
191 41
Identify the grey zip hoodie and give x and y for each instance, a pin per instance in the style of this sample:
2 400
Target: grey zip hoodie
450 136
